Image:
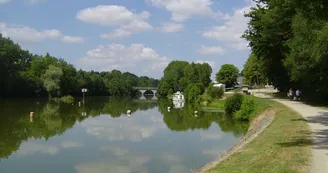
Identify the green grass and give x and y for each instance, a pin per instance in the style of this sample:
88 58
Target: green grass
217 103
261 104
283 147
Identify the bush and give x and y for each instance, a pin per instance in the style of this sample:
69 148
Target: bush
217 92
193 94
247 109
233 103
204 100
67 99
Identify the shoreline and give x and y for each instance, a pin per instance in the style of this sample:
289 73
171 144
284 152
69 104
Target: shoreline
258 124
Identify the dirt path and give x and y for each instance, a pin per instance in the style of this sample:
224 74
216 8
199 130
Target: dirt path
318 122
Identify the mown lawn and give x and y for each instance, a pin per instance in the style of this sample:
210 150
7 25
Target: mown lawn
283 147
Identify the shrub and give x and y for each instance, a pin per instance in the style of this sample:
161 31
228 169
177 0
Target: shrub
247 109
204 100
209 90
193 94
217 92
233 103
67 99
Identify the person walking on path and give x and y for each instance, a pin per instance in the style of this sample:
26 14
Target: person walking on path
298 95
290 94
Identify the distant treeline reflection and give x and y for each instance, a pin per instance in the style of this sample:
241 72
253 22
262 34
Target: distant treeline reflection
51 119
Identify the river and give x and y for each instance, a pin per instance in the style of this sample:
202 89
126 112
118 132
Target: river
100 137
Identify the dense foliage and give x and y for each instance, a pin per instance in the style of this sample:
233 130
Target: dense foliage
233 103
53 119
253 72
215 92
227 75
23 74
247 109
290 38
182 76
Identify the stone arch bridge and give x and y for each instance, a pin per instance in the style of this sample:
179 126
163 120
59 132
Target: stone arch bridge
144 89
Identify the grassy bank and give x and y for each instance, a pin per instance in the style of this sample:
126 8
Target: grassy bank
281 148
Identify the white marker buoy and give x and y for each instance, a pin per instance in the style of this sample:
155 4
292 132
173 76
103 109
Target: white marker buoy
128 112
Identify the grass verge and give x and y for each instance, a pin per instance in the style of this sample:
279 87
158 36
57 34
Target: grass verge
283 147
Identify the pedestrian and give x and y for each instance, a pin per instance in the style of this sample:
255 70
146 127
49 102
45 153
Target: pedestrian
290 94
298 94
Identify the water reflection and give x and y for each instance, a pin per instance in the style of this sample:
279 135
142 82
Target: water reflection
106 139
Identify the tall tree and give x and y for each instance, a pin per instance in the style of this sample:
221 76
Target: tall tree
51 79
253 72
227 75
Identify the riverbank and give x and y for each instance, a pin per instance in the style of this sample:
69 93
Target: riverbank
279 148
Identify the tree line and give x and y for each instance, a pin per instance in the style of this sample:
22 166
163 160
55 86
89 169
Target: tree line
289 42
23 74
184 77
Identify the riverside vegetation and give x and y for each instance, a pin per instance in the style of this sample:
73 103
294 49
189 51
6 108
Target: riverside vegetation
24 74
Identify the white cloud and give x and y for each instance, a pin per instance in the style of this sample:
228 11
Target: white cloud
211 136
26 35
122 164
34 1
124 58
211 50
70 39
172 27
127 21
232 30
213 152
71 144
211 63
184 9
123 129
33 147
4 1
117 151
118 33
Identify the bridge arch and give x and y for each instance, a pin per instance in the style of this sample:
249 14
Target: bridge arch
143 91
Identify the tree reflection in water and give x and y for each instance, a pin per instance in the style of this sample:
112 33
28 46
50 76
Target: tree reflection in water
51 119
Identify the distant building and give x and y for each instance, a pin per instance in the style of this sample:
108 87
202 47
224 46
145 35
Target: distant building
220 85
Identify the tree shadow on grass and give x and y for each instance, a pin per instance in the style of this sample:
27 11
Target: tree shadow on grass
317 139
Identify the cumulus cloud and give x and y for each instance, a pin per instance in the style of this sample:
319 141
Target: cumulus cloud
26 35
124 58
122 164
70 39
211 63
232 30
211 50
127 21
107 128
116 34
34 1
184 9
71 144
211 136
172 27
4 1
33 147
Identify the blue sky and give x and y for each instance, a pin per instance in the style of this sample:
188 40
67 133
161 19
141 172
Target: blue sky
139 36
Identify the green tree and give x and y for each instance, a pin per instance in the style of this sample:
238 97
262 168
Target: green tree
227 75
290 38
51 79
253 72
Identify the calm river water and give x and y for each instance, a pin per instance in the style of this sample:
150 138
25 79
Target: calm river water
100 137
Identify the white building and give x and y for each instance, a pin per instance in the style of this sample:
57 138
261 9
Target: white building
220 85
